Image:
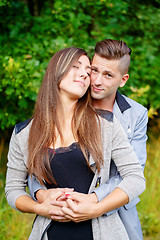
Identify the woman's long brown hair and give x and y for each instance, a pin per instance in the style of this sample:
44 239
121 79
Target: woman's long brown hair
85 122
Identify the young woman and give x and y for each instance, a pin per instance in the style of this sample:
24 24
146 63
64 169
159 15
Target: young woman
67 145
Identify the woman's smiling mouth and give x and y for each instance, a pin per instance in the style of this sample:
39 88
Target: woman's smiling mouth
80 82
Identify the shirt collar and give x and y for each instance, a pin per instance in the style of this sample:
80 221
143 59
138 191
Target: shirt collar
122 102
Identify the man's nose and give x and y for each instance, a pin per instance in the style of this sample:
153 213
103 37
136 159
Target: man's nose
98 79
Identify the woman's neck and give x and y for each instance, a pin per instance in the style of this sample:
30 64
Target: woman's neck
65 115
68 106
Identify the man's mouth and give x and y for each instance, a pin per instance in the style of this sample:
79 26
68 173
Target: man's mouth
95 89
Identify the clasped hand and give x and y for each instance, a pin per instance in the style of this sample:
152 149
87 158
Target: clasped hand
76 206
64 205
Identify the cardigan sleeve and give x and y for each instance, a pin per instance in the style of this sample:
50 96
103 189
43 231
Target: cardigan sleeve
128 165
16 178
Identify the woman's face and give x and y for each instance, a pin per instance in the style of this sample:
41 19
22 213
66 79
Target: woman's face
75 84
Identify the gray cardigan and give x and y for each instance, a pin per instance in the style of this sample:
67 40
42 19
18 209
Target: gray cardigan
115 147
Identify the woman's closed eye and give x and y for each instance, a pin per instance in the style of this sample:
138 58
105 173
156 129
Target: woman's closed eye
74 66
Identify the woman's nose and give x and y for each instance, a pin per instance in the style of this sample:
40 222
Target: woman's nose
84 74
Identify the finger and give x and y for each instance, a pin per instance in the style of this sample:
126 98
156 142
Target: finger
75 218
66 193
75 196
70 211
72 205
62 198
69 189
66 189
58 203
57 212
60 219
56 195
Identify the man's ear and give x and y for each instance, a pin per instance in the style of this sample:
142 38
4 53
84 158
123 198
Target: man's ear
124 79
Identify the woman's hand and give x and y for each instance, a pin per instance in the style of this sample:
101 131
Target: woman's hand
81 207
46 209
43 194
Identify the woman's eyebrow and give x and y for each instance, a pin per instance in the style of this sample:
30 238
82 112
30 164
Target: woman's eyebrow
86 66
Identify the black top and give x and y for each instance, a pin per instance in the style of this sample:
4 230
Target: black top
70 169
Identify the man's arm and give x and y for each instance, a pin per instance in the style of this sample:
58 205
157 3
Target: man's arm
36 190
138 141
39 193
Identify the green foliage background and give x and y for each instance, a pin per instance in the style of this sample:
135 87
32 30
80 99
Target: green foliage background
28 42
33 30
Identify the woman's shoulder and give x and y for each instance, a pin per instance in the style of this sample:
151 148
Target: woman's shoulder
19 139
21 131
109 124
22 125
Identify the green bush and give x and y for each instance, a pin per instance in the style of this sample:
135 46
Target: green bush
28 42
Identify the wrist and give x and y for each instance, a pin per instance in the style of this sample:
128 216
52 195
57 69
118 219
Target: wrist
100 209
40 209
40 195
93 198
36 209
96 210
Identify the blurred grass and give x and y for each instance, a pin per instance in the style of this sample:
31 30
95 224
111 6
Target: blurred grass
17 226
14 225
149 206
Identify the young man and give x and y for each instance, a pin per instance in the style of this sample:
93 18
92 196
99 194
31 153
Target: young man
110 65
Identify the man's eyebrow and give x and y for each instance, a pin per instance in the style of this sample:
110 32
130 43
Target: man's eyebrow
94 67
104 71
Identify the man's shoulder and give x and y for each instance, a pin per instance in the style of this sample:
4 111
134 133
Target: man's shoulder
135 105
127 108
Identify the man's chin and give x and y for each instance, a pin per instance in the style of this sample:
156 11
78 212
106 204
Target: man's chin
96 96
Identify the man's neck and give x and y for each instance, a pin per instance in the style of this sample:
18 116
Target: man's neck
104 104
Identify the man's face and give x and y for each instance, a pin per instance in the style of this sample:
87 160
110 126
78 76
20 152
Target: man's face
105 78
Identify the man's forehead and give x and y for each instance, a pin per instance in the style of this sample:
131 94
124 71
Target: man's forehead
100 62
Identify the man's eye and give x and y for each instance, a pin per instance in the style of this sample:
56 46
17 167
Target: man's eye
108 75
88 74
